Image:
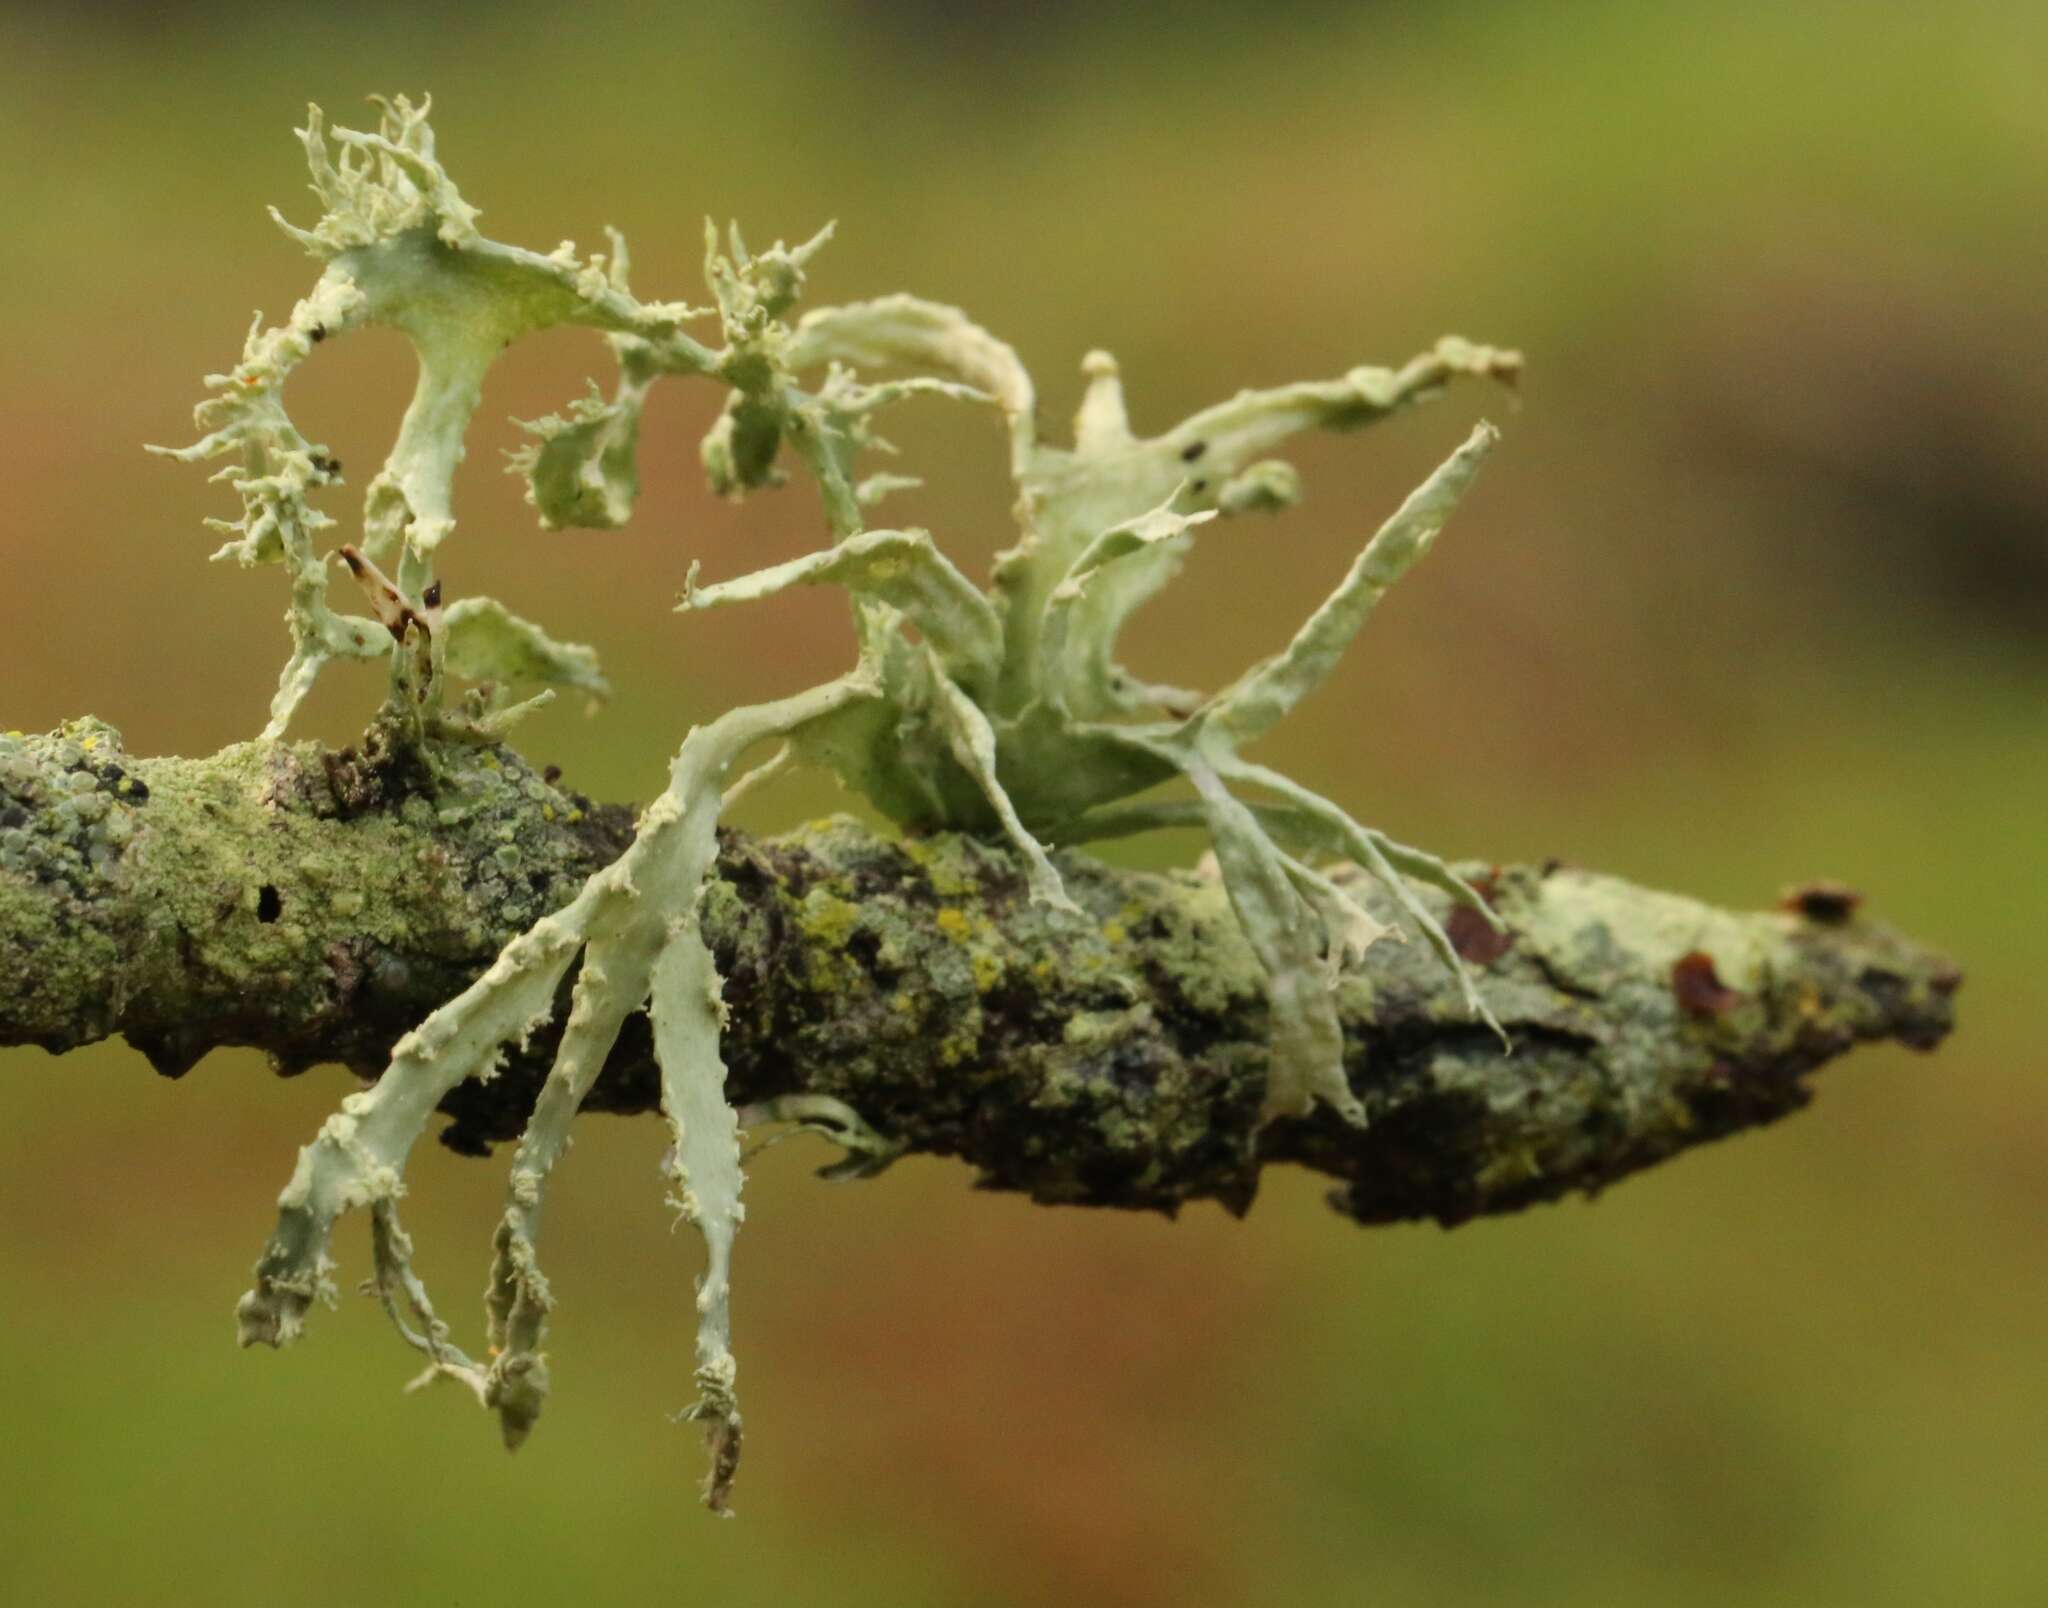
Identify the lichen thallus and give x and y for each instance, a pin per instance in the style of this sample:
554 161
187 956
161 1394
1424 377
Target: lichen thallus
1006 714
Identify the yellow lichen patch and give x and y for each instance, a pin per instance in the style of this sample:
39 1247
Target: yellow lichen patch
978 935
942 863
829 918
830 921
954 924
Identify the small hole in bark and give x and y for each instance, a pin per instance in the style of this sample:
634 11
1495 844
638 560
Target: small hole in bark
269 904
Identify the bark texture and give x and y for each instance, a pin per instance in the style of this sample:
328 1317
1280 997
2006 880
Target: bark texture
317 904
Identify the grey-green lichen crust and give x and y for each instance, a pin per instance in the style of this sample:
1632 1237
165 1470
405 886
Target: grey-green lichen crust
283 895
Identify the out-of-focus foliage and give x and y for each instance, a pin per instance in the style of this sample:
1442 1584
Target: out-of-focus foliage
1754 592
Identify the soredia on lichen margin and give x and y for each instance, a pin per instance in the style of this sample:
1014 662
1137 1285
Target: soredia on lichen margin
1003 712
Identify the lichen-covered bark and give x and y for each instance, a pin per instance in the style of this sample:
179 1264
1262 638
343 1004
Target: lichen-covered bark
317 905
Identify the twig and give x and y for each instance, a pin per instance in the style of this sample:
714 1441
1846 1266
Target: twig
317 905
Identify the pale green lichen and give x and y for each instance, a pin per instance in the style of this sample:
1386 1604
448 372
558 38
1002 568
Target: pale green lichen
1003 712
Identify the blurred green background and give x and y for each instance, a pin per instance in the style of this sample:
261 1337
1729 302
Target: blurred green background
1754 591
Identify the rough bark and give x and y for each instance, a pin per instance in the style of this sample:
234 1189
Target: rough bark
317 904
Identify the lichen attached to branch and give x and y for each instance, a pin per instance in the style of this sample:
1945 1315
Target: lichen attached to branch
1002 713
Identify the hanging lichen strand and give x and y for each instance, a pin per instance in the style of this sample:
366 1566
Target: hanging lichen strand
1004 714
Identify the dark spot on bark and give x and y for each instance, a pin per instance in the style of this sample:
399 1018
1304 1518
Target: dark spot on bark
1193 451
1742 1094
379 773
1887 988
1134 1065
792 869
1699 987
1194 1031
1828 904
269 904
1475 938
866 948
1198 486
347 973
1014 1012
744 868
1415 1160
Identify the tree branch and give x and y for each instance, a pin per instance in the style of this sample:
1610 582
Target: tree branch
317 905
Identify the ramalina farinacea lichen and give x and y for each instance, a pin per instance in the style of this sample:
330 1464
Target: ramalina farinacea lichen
1001 712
